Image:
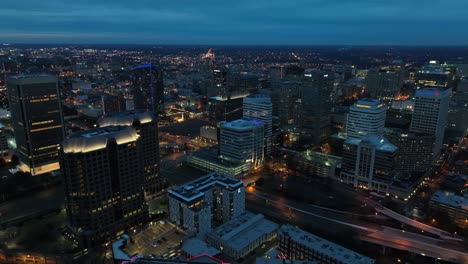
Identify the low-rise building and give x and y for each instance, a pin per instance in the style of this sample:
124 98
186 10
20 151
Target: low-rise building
242 235
317 164
207 160
195 247
283 261
297 244
455 206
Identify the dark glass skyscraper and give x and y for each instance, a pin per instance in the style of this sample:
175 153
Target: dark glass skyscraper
147 128
37 120
148 88
316 105
103 176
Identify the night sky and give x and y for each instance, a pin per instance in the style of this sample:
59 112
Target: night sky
244 22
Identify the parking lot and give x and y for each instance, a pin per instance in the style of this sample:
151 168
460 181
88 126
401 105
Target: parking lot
157 240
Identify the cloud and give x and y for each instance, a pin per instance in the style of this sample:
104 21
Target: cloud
236 22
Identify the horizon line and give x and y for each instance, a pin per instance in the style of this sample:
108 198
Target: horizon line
6 44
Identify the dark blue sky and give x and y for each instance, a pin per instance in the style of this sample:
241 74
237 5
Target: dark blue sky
271 22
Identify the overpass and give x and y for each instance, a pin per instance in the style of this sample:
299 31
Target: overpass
384 236
411 222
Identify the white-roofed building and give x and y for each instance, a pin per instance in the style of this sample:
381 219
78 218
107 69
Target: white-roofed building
242 235
298 244
242 141
195 247
205 202
366 118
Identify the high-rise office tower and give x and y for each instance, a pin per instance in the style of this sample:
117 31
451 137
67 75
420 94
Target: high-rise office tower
316 105
368 163
414 150
435 74
146 126
3 139
430 114
226 108
112 104
36 113
458 110
103 176
286 99
260 107
242 141
148 88
383 83
366 118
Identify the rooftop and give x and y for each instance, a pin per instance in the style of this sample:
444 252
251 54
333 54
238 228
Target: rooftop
379 142
95 139
369 103
31 78
283 261
211 155
195 247
230 97
195 189
241 124
450 199
433 92
126 118
324 246
258 98
148 241
244 229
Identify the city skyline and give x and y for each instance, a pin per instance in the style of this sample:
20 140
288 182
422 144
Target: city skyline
260 132
243 23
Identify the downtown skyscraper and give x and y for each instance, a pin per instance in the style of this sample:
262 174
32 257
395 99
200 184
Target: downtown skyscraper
430 114
366 118
242 141
103 173
316 105
146 126
148 88
260 107
37 120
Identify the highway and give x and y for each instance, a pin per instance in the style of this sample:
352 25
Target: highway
36 203
411 222
281 208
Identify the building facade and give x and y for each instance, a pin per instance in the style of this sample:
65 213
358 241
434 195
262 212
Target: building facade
286 99
226 107
103 176
431 107
453 205
369 163
297 244
383 83
366 118
208 160
242 141
206 202
148 88
260 107
414 150
36 113
146 126
458 109
242 235
316 106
